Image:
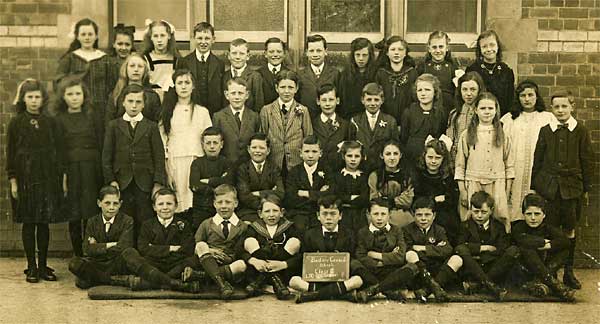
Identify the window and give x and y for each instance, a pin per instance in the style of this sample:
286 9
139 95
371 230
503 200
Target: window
135 12
461 19
344 20
253 20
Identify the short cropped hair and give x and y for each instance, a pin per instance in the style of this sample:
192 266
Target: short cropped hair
240 42
108 190
481 197
533 200
563 94
237 80
316 38
132 88
259 137
163 192
212 131
311 140
204 26
379 202
270 198
372 89
276 40
423 202
287 75
329 201
224 189
325 88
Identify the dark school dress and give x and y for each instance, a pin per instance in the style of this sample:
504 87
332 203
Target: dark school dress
416 125
445 72
350 91
81 143
344 185
499 79
33 157
397 89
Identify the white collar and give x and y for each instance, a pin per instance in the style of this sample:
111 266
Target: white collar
335 230
89 56
199 56
372 228
272 229
217 219
233 111
276 67
426 229
165 222
324 118
288 104
262 165
354 174
240 70
129 119
375 115
486 225
318 68
571 124
310 169
110 221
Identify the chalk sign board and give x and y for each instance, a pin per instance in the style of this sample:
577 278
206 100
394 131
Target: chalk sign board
325 267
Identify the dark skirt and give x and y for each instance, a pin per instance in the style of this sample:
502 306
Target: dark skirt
83 183
40 196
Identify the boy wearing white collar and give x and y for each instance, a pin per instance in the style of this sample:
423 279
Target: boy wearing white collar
216 239
562 171
329 237
381 249
429 249
485 238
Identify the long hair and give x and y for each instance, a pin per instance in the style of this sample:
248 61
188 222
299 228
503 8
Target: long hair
437 91
381 174
171 45
121 29
469 76
75 44
486 34
171 98
27 86
124 78
472 128
438 34
383 61
67 82
517 108
440 148
356 45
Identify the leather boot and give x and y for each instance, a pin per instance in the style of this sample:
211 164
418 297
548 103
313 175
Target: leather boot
224 287
138 284
190 287
281 290
254 287
307 296
122 280
536 288
32 275
559 289
498 292
366 294
190 274
437 290
569 278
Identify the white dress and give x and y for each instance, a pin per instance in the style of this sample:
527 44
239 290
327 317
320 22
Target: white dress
523 132
182 146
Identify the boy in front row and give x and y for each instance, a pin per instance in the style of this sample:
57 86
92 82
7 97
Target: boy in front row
485 247
428 248
544 248
562 172
106 236
329 237
216 240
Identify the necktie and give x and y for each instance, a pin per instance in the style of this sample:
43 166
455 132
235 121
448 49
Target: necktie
424 232
330 238
259 169
274 71
317 72
372 121
238 120
106 227
310 177
283 110
329 124
202 59
225 224
235 73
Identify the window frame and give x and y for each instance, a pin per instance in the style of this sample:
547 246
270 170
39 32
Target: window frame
347 37
250 36
467 39
180 35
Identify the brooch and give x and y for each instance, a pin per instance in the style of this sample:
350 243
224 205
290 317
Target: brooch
298 110
35 123
180 225
382 123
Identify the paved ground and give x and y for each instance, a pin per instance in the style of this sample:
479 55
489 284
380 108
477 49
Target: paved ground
61 302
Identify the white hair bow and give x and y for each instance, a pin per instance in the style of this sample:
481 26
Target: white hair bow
443 138
149 21
19 88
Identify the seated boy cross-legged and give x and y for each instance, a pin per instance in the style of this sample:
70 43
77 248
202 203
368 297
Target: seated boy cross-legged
381 249
216 239
429 249
544 248
272 248
329 237
485 247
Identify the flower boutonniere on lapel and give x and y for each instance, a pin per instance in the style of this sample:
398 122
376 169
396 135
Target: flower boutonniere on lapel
321 174
298 110
382 123
180 225
335 124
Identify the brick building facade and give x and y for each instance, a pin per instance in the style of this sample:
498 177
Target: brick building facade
553 42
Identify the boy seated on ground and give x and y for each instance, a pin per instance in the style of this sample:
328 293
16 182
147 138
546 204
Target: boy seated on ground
485 248
429 249
272 249
381 249
544 249
106 236
329 237
216 239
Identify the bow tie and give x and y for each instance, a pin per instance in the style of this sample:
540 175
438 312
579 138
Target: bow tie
382 231
562 125
330 235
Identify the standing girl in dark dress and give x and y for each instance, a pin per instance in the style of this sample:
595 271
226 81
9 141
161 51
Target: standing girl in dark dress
97 70
435 178
424 118
81 143
122 44
396 75
498 77
35 170
439 62
361 71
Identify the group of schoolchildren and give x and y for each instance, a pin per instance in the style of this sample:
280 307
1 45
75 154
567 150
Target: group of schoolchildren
227 177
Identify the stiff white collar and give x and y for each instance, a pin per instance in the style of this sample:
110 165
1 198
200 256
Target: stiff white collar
335 230
324 118
136 118
239 71
276 67
199 56
217 219
165 222
318 69
372 228
571 124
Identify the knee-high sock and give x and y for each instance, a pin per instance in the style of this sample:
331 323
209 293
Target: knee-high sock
154 275
398 278
571 257
28 237
88 272
76 237
445 275
43 240
332 290
209 263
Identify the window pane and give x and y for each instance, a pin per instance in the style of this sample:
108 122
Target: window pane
249 15
425 16
134 12
345 16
